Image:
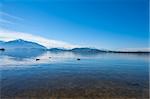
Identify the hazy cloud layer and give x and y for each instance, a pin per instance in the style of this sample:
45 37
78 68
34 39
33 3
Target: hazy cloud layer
6 35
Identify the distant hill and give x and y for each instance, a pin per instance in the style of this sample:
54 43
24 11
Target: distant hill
57 50
20 44
77 50
86 50
92 51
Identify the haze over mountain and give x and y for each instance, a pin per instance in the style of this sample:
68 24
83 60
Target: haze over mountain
6 35
23 44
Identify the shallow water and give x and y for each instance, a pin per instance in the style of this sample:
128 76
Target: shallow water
62 76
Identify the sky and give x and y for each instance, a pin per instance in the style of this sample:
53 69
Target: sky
103 24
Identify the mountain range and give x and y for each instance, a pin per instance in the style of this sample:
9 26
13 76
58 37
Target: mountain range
22 44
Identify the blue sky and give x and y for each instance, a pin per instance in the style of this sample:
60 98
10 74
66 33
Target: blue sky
109 24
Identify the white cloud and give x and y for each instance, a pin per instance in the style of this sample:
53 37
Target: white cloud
5 21
6 35
4 14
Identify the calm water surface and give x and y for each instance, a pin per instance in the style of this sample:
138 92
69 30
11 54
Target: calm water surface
62 76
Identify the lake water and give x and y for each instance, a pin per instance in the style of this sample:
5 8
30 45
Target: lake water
62 76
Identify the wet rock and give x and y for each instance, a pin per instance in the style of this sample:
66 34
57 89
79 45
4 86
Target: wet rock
37 59
78 59
2 49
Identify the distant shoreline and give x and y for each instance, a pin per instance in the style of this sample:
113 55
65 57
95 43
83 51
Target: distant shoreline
80 50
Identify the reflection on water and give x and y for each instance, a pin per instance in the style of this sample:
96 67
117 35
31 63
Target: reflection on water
28 57
22 53
61 75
